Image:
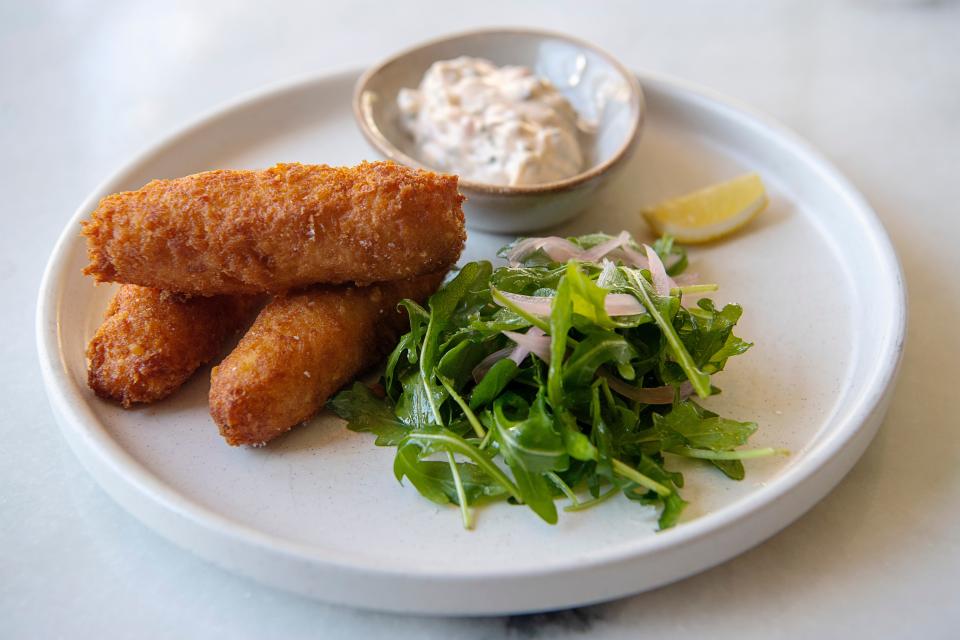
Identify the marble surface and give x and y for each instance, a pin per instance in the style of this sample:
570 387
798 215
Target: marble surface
874 84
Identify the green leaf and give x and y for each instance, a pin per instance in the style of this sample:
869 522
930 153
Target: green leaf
531 447
733 469
501 320
526 281
598 348
527 431
707 334
407 464
560 316
438 477
409 344
364 412
687 424
660 310
417 400
457 364
493 383
463 288
588 299
672 505
601 437
577 444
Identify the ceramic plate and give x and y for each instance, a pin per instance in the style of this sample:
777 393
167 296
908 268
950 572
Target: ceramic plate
318 511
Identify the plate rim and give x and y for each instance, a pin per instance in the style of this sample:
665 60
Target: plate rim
81 428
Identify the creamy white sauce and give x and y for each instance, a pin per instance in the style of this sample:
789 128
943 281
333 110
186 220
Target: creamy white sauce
499 125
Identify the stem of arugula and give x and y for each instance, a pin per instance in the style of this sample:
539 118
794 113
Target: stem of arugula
457 481
464 448
471 416
628 472
594 502
461 494
486 440
694 288
563 486
699 380
743 454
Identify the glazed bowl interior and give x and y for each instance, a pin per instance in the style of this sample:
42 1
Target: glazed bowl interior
601 90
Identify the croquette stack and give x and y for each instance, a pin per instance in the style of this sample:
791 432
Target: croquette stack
337 248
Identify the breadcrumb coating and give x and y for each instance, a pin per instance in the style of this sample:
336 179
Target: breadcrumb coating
152 341
290 226
301 349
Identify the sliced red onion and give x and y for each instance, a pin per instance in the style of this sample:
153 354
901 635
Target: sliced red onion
534 305
559 249
623 304
533 341
634 258
596 253
649 395
616 304
661 281
481 369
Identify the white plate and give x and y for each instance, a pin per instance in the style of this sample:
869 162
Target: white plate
318 512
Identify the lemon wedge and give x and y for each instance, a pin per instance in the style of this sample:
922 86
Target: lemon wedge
709 213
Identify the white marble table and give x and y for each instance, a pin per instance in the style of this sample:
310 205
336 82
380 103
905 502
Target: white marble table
875 85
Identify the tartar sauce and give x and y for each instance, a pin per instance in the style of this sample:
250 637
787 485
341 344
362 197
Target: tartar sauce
499 125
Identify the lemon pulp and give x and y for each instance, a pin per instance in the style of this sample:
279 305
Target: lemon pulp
710 213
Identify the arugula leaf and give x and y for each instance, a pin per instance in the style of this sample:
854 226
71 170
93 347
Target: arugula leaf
560 320
597 348
672 504
686 424
501 320
444 303
417 401
660 310
435 480
409 343
526 281
733 469
364 412
407 464
495 381
588 299
528 431
602 439
577 444
689 425
544 431
457 364
708 335
531 447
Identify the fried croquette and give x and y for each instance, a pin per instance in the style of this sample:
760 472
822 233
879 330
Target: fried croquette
152 341
301 349
293 225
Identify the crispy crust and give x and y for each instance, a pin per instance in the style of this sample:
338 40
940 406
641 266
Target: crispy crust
293 225
152 341
301 349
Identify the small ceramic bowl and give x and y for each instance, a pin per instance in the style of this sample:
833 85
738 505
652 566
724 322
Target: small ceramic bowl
601 89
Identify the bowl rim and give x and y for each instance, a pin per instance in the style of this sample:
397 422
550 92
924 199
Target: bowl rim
383 144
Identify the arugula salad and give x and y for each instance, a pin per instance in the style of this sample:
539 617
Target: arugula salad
574 373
